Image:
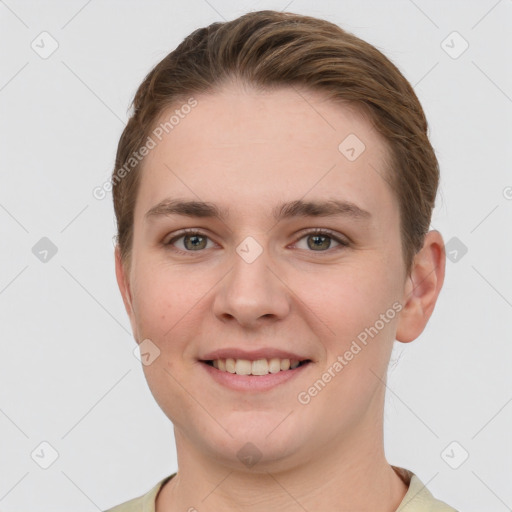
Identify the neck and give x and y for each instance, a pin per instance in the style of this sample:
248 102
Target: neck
354 477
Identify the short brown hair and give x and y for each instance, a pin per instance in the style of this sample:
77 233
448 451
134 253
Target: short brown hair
269 49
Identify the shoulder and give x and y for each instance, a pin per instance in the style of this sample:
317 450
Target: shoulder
418 498
144 503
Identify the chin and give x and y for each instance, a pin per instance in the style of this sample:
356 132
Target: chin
261 442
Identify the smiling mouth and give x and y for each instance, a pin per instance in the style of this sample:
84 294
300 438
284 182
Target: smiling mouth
258 367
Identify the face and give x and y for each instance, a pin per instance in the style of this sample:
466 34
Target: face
261 280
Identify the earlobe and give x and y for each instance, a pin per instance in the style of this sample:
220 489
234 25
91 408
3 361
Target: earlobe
422 288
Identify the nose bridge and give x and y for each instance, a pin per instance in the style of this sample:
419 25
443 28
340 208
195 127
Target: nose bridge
252 290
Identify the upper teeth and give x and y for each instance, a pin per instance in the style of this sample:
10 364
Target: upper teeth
257 367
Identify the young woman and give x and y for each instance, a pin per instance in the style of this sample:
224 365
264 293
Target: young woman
273 192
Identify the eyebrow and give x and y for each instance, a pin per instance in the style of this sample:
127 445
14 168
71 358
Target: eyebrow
291 209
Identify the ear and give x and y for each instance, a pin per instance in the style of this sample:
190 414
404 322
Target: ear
422 288
123 282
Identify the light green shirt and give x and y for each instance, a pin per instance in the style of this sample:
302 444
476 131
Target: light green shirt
417 499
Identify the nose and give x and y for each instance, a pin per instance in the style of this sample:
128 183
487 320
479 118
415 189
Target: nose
253 292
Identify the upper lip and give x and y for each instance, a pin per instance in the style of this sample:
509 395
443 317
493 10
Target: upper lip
262 353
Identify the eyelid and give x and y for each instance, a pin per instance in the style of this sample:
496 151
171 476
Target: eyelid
180 234
186 231
342 240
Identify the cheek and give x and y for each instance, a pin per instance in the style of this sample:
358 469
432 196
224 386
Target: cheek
353 310
356 304
348 296
155 301
166 303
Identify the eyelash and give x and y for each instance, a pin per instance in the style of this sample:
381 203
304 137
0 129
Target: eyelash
314 231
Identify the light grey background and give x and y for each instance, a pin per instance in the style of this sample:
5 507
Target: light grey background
68 376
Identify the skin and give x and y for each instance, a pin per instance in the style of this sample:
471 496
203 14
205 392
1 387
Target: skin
249 150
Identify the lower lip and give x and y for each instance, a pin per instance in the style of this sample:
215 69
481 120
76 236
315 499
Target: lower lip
253 382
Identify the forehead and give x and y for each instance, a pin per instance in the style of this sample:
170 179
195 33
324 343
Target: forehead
241 116
239 146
